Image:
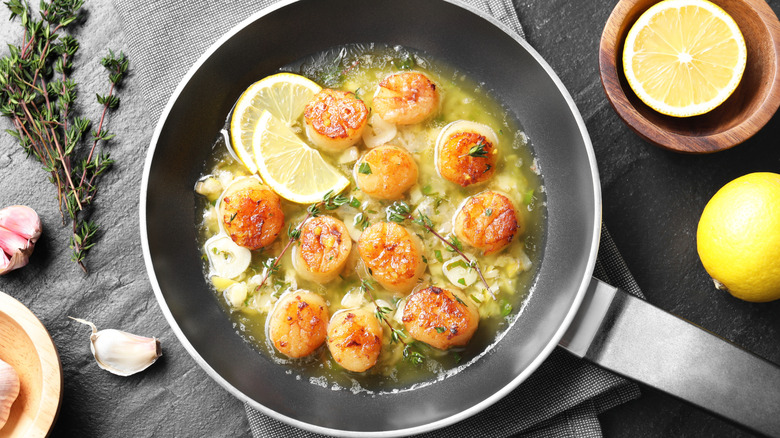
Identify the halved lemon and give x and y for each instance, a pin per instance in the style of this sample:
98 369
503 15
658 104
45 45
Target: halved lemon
684 57
289 166
284 95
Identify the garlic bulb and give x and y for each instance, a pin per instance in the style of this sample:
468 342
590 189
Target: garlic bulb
122 353
20 228
9 390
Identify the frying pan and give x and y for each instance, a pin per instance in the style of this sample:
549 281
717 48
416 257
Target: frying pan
567 306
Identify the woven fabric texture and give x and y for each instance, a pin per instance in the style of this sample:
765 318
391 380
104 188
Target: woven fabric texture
561 399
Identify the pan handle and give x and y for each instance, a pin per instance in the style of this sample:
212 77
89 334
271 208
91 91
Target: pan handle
633 338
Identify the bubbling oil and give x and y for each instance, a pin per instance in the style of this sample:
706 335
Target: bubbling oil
358 69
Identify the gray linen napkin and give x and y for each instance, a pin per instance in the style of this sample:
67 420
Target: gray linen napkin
561 399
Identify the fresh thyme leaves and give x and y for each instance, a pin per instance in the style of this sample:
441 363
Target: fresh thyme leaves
440 329
456 246
400 211
396 335
330 201
39 97
528 197
506 308
364 168
413 356
479 150
361 221
405 63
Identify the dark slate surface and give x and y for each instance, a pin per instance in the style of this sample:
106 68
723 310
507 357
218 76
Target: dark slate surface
652 202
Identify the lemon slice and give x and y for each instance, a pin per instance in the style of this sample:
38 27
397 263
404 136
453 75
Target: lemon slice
284 95
684 57
289 166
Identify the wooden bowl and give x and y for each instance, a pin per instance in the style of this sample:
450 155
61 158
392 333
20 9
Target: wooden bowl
27 347
743 114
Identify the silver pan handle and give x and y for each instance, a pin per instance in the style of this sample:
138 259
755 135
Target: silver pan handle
633 338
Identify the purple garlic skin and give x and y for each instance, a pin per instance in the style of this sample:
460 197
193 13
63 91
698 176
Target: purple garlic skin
20 228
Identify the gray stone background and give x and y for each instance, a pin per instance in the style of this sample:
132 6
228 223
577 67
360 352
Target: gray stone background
652 201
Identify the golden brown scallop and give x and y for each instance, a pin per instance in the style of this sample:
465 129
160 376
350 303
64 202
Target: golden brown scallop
440 318
406 98
487 221
298 323
251 213
386 172
335 119
393 256
323 250
355 339
466 153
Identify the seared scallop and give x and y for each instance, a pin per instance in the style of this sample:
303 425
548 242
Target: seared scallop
355 339
466 153
440 318
386 172
324 247
335 119
392 255
251 213
298 323
487 221
406 98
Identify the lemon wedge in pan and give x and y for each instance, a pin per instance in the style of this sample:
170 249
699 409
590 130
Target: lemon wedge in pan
293 169
284 95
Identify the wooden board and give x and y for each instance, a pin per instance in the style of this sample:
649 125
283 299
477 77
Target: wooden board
27 347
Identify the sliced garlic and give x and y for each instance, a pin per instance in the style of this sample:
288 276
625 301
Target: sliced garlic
209 187
226 259
458 272
353 299
9 390
236 294
20 228
399 313
378 131
122 353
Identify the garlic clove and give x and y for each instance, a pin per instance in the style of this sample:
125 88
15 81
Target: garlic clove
22 220
122 353
20 228
16 251
5 263
9 390
11 242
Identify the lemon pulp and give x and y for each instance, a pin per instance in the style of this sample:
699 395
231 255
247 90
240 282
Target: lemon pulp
289 166
284 95
684 57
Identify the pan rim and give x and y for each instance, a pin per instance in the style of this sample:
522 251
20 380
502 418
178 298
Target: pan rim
498 395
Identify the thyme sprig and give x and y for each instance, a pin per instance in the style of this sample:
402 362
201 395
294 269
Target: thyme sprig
479 150
396 335
38 96
400 211
330 201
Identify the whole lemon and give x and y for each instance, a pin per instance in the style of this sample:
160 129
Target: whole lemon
738 238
